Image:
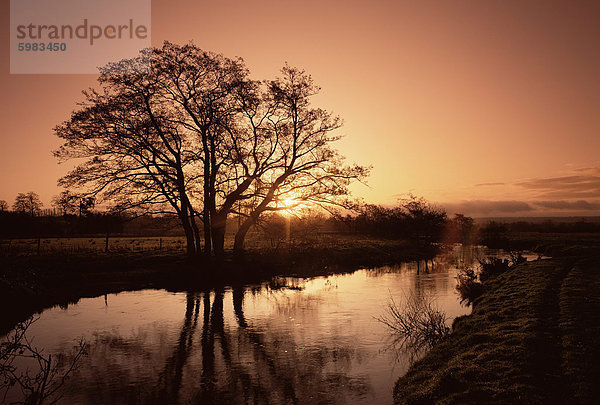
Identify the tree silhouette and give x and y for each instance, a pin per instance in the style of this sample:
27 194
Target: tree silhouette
302 166
27 203
424 222
66 202
3 206
195 137
142 137
86 203
461 229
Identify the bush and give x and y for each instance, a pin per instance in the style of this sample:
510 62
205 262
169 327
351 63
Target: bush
470 282
468 285
491 267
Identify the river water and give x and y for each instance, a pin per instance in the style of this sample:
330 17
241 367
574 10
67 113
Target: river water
289 340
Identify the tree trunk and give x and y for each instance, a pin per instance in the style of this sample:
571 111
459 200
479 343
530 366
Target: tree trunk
189 235
208 201
191 245
196 232
240 235
219 226
207 232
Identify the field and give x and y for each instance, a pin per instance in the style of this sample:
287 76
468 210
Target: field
176 244
94 244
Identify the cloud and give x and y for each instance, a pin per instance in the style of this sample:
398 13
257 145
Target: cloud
582 205
594 171
577 193
483 208
584 184
488 207
489 184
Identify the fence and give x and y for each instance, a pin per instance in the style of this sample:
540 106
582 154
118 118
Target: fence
41 246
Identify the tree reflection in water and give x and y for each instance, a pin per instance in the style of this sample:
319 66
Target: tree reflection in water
215 363
286 341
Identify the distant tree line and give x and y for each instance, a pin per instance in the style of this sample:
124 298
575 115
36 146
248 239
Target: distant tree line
554 226
20 225
66 203
498 234
412 219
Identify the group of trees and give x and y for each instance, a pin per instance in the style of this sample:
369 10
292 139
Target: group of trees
25 203
412 219
70 203
66 202
194 135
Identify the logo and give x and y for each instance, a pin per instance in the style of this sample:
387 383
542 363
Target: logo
77 36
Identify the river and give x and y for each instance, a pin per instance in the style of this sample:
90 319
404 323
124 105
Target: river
289 340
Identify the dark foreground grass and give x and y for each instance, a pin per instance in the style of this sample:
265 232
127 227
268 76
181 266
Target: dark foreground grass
532 338
580 327
31 283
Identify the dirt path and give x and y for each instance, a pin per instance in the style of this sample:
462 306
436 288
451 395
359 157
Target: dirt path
548 349
580 331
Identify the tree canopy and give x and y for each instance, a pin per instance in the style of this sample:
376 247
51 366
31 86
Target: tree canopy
28 203
195 136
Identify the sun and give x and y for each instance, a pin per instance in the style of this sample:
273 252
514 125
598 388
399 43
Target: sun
290 205
289 202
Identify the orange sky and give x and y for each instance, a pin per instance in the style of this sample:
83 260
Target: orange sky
446 99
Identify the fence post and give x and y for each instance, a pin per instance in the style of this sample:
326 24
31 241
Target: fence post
106 244
160 244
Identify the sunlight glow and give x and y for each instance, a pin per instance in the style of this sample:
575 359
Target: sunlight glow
290 205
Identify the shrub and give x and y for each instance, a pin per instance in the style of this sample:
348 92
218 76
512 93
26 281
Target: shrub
491 267
468 285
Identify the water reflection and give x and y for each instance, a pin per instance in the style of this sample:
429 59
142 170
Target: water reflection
28 374
216 363
288 341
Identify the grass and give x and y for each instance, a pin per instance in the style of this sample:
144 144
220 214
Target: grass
532 338
52 246
579 313
255 242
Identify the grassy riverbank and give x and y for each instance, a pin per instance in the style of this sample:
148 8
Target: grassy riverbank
532 338
31 283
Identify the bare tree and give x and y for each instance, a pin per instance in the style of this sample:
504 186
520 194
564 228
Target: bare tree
301 164
202 93
143 137
28 203
3 206
86 203
67 202
424 222
194 136
271 145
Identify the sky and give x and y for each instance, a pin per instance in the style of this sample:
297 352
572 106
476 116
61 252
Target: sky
490 108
